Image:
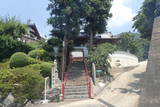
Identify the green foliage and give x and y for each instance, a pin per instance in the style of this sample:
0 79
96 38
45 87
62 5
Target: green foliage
100 55
34 61
70 16
37 44
24 83
12 27
33 44
143 22
95 14
4 65
5 82
18 59
54 41
38 54
44 68
51 43
134 44
65 17
8 46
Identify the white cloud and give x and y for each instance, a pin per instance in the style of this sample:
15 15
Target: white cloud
121 14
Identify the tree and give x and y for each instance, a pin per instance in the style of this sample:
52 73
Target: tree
134 44
10 30
100 54
143 22
8 46
12 27
64 18
95 16
68 16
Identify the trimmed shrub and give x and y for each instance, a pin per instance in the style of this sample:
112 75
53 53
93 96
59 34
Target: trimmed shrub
38 54
18 59
4 65
45 68
34 61
24 83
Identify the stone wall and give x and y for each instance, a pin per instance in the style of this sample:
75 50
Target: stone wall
150 92
120 59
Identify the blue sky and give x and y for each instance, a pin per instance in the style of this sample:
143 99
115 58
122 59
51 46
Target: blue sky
123 11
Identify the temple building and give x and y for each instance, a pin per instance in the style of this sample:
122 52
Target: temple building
107 37
32 34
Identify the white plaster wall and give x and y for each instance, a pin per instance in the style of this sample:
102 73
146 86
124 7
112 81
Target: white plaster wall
123 59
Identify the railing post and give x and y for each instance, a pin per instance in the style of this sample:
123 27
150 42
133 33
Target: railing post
62 91
88 81
89 89
63 84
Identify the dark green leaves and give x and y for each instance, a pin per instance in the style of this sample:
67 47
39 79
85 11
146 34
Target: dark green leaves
12 28
100 55
134 44
143 22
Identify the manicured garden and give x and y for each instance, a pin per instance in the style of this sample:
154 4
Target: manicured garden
23 67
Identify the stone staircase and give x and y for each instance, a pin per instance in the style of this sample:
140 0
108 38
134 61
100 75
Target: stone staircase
76 87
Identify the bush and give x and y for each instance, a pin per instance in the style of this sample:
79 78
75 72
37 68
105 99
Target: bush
33 44
45 68
4 65
38 54
34 61
24 83
19 59
100 55
9 46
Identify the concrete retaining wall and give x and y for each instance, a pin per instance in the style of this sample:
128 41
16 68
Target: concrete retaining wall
123 59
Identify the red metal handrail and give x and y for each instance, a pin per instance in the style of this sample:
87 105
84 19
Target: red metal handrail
88 81
63 84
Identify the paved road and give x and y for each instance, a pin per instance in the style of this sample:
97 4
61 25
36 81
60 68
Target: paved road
122 92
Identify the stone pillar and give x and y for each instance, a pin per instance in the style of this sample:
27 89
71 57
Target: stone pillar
150 92
53 74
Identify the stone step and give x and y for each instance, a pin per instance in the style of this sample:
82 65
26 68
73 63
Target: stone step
77 76
76 84
76 90
70 81
76 93
75 96
75 72
75 87
77 79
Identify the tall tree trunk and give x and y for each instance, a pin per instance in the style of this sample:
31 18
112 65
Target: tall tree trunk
64 52
91 40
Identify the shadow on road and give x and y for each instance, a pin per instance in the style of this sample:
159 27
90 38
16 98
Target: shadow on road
135 87
105 103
